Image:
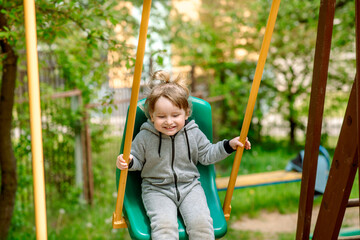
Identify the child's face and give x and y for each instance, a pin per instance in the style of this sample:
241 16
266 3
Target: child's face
168 118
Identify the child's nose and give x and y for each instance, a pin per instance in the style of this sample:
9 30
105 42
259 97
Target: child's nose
168 120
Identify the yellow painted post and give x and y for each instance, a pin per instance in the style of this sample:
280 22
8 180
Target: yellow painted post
35 119
118 220
251 104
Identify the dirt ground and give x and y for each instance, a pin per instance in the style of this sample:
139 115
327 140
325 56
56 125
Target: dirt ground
286 223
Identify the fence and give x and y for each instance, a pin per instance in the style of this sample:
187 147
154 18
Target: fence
66 142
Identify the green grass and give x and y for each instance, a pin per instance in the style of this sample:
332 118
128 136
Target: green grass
268 156
74 220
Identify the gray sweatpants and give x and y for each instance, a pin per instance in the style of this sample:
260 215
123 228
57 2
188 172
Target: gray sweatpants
162 205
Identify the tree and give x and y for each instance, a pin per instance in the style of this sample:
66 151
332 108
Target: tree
7 159
80 34
292 51
227 28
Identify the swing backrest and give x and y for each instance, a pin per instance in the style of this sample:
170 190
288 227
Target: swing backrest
133 209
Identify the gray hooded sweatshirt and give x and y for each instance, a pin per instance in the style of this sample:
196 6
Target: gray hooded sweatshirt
165 160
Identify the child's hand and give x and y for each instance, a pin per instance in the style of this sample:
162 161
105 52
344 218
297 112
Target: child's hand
121 163
234 143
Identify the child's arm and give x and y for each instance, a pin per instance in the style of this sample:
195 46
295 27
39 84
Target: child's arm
211 153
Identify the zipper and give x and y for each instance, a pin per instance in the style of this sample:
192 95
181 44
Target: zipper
172 166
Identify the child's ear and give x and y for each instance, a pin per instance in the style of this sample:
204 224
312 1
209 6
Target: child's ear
187 114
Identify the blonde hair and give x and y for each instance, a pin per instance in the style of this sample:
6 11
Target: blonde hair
175 90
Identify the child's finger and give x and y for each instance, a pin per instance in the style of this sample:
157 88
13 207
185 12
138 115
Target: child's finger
121 165
248 145
118 164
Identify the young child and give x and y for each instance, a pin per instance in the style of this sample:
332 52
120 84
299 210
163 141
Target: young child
166 151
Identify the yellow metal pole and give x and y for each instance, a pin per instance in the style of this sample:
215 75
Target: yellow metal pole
118 221
35 119
250 106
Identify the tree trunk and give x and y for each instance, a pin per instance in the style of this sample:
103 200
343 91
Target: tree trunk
292 130
192 78
292 117
7 158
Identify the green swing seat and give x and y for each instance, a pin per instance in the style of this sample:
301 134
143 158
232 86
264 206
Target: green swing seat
135 216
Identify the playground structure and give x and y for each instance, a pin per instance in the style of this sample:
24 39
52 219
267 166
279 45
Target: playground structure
346 158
